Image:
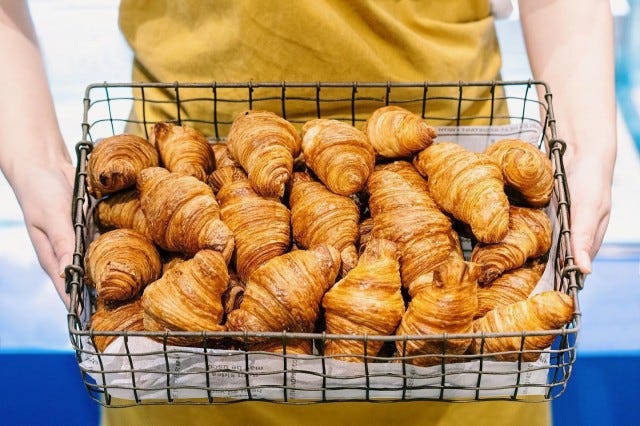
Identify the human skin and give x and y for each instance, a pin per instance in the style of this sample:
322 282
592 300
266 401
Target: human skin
570 44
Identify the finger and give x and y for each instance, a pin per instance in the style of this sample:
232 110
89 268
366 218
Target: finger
586 237
48 261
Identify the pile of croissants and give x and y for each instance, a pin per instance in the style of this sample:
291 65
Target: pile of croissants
330 229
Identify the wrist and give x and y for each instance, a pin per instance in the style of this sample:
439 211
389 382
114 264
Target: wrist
19 159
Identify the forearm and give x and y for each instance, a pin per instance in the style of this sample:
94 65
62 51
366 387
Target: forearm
28 124
33 155
570 46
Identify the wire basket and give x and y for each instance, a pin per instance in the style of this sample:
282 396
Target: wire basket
146 369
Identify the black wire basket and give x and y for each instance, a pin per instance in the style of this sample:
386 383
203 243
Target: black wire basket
144 368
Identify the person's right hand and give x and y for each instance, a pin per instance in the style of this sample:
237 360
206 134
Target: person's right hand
45 193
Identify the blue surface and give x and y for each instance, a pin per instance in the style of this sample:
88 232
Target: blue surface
45 388
602 391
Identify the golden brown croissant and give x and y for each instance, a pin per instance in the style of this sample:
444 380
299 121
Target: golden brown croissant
184 150
182 213
447 306
319 216
285 293
339 154
526 170
396 132
122 317
260 225
510 287
115 162
188 297
469 186
367 301
293 346
170 260
365 228
529 236
232 297
122 210
223 156
404 213
265 144
545 311
120 263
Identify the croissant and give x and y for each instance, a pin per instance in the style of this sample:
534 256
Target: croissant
265 144
188 297
260 225
510 287
320 216
367 301
364 232
447 306
123 317
232 297
285 293
293 346
116 161
404 213
120 263
339 154
182 213
223 156
184 150
548 310
526 170
469 186
396 132
529 236
122 210
170 260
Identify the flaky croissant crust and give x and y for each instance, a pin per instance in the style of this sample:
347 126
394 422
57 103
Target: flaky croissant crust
447 306
188 297
367 301
285 293
545 311
122 210
261 226
115 162
184 150
339 154
529 236
512 286
396 132
404 212
525 169
120 263
319 216
468 185
123 317
265 144
182 213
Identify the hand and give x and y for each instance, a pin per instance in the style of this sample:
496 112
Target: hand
45 195
589 180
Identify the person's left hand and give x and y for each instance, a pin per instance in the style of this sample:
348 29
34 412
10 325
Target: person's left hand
44 194
589 179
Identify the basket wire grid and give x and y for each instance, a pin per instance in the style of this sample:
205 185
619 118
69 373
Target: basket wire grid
106 111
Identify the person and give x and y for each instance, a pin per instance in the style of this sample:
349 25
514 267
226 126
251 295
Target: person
311 41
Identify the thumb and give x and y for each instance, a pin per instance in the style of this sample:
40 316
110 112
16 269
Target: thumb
583 260
63 243
581 246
